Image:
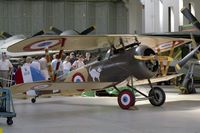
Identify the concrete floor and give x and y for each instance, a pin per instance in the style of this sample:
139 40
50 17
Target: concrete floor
180 114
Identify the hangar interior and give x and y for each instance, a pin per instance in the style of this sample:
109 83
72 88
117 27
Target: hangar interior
30 16
62 114
109 16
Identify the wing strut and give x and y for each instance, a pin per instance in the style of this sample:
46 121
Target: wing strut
168 61
49 66
59 58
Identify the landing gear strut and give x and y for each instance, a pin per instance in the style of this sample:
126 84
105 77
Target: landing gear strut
126 98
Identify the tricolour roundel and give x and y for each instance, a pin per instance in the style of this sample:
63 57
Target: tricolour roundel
78 77
40 45
126 99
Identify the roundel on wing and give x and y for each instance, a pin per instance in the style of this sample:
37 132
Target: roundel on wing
78 77
42 44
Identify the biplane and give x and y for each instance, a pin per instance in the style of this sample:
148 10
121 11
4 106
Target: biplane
126 58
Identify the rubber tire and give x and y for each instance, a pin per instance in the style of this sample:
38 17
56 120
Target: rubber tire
190 87
9 121
131 98
159 93
33 100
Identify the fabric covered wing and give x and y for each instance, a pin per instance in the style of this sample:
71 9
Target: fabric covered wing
80 42
155 80
67 87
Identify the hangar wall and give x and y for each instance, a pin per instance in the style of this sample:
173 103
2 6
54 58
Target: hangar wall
196 5
29 16
156 14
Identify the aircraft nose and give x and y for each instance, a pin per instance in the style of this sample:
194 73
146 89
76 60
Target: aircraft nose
145 61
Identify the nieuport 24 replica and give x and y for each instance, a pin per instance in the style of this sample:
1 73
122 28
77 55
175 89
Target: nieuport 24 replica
119 64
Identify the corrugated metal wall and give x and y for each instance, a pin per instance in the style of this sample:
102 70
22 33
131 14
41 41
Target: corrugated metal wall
29 16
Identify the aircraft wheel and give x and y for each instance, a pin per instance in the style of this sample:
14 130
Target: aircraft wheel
190 87
33 100
157 96
9 121
126 99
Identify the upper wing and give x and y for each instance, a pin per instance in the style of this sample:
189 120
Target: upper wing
163 43
72 42
87 42
67 87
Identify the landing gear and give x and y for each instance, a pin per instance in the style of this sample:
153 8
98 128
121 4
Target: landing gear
190 87
157 96
126 99
33 100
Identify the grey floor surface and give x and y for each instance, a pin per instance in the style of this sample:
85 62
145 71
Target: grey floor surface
180 114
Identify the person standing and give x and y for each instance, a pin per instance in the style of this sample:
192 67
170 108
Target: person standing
72 58
78 63
87 58
54 65
43 67
28 61
5 68
67 65
35 63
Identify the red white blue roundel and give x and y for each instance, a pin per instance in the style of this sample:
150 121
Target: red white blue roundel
42 44
125 99
78 77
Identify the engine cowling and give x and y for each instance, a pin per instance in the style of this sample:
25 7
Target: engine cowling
144 69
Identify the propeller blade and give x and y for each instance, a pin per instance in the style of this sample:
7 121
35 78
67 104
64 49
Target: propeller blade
88 30
192 19
39 33
5 34
56 30
187 58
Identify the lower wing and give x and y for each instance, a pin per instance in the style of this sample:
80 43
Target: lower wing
67 87
155 80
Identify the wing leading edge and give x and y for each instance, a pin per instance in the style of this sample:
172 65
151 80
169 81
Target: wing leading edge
89 42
